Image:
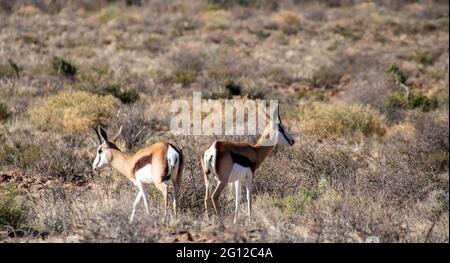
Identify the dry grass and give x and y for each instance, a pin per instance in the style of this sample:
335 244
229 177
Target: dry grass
366 162
342 120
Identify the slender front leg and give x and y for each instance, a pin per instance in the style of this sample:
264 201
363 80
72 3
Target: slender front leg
207 187
249 188
136 202
144 195
237 186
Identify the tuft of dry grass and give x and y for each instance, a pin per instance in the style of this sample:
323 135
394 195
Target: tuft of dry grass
287 21
72 112
216 20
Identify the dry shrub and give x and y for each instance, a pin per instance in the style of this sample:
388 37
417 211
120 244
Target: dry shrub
62 161
329 120
73 112
185 65
215 20
287 21
138 127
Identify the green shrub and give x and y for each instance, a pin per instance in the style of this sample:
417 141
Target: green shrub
255 93
338 120
19 155
348 32
185 77
415 100
12 211
4 113
232 88
218 4
63 67
326 77
426 57
296 203
312 95
10 70
124 95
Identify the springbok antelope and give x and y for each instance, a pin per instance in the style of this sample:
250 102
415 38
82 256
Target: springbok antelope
155 164
231 162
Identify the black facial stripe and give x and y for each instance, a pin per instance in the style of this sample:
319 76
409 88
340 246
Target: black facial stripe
281 129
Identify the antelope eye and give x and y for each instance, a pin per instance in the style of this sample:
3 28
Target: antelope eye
100 150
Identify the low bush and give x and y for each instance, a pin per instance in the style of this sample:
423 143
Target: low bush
415 100
20 152
62 67
4 113
217 19
124 95
72 112
186 65
12 210
287 21
342 120
62 162
296 203
326 77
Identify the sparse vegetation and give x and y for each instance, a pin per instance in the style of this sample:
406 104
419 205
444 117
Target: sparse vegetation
327 77
363 89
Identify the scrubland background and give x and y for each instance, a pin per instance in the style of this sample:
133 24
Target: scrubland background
363 86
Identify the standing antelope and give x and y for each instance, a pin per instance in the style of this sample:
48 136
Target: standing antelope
156 164
231 162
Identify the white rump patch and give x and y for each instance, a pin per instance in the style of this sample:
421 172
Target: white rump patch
238 173
145 174
172 158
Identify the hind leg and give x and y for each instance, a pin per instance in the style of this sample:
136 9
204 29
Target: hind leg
176 188
163 188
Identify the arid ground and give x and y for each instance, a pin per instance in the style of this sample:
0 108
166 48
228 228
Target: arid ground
363 88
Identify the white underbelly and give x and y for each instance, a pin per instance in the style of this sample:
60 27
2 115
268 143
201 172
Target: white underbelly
145 174
238 173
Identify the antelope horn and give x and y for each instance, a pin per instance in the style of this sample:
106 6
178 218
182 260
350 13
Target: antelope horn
116 136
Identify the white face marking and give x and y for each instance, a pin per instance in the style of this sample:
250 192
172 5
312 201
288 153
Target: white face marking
281 136
101 159
238 173
144 174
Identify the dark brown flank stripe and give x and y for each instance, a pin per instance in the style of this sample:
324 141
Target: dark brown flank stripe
143 161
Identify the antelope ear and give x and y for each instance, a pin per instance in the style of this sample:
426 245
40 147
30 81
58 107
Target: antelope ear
98 135
116 136
103 135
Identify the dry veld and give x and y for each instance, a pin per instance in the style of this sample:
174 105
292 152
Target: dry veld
363 88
